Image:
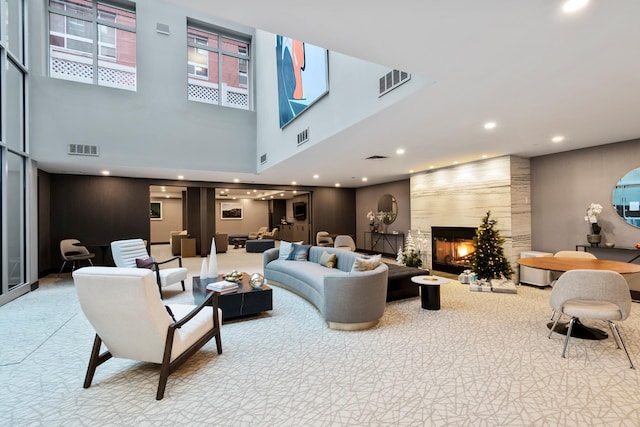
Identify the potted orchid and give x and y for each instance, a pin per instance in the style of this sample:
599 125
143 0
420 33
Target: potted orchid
592 218
372 221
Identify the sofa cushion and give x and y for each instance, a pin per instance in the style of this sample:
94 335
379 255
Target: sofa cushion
299 252
328 260
144 262
366 263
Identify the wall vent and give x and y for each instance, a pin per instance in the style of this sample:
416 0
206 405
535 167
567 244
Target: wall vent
263 159
303 136
392 80
83 150
376 157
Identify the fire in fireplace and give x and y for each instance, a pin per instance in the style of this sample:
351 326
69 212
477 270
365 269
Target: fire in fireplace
452 248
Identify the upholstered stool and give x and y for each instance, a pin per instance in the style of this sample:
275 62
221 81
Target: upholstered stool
399 284
259 245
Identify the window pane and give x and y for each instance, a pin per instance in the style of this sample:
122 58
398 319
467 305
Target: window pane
14 28
234 94
235 46
202 37
117 61
116 14
15 107
79 7
15 219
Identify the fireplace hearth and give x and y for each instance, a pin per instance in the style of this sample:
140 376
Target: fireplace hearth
452 248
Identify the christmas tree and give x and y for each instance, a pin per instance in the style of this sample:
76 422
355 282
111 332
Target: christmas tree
488 260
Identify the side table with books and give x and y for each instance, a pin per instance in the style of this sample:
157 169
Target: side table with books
235 302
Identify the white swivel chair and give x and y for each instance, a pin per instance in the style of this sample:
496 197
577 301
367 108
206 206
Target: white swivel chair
133 253
592 294
344 242
73 253
124 307
323 239
574 254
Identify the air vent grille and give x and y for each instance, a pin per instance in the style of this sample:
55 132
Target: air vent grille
83 150
303 136
263 159
392 80
376 157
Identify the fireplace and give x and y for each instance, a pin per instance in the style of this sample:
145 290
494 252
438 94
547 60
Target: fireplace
452 248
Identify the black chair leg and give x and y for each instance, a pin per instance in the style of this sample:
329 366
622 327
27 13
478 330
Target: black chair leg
182 281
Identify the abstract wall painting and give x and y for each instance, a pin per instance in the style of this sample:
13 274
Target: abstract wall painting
303 76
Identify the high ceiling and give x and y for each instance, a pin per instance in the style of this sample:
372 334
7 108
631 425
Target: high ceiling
534 70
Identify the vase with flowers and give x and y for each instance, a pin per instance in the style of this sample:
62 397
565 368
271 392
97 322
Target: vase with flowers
372 221
592 218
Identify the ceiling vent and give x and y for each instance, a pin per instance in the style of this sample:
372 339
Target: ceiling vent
376 157
392 80
83 150
263 159
303 136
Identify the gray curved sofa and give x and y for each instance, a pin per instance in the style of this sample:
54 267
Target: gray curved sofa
347 300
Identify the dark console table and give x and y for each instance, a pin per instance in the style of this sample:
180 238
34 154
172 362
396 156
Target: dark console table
392 241
604 248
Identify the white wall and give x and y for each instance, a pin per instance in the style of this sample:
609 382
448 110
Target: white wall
353 96
154 127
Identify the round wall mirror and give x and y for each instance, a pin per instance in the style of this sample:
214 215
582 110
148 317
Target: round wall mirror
626 197
387 209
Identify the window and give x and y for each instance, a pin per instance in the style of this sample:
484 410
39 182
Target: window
217 67
93 42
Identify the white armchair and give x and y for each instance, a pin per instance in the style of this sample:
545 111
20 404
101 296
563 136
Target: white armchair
124 307
132 253
344 242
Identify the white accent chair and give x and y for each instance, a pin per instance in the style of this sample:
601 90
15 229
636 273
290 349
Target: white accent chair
344 242
126 252
124 307
593 294
323 239
74 254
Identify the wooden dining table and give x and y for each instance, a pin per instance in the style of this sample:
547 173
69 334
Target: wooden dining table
562 264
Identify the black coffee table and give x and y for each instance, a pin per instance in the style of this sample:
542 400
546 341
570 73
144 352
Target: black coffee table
246 301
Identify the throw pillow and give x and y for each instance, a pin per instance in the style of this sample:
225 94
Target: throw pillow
299 252
144 262
366 263
328 260
285 249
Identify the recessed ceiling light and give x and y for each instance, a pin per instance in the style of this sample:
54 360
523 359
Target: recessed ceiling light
248 192
167 196
337 184
410 170
293 183
236 180
490 125
455 162
431 167
571 6
400 151
295 191
180 176
558 138
105 173
234 198
271 197
365 179
281 194
263 198
163 188
484 156
316 176
255 191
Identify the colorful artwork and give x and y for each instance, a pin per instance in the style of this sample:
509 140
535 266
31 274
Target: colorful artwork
303 76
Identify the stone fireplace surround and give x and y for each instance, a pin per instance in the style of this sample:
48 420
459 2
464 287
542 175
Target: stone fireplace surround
460 196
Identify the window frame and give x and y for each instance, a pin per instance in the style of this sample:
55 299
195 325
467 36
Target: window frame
244 77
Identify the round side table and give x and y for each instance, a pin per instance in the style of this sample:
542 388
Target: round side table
430 292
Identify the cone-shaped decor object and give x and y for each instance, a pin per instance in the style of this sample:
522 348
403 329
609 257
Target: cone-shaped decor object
213 263
203 270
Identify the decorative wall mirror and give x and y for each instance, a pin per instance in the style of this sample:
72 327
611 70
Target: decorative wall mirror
626 197
387 209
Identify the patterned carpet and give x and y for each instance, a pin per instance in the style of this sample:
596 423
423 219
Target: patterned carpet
482 360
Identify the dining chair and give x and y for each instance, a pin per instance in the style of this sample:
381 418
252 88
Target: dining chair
344 242
592 294
125 309
74 252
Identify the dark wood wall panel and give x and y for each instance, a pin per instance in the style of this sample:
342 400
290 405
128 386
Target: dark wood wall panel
97 210
333 210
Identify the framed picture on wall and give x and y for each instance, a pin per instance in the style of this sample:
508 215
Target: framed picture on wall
155 211
230 210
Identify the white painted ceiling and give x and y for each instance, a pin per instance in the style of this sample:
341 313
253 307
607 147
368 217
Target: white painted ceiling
534 70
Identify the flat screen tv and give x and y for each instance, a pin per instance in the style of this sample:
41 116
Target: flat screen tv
300 211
